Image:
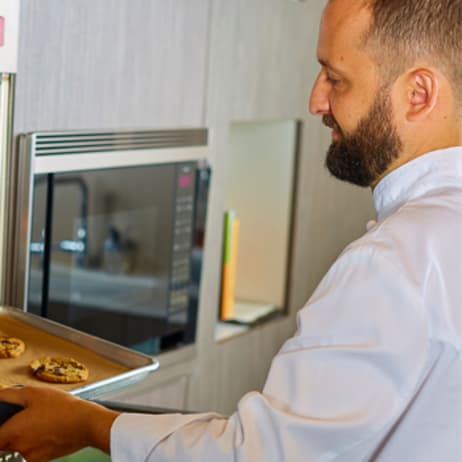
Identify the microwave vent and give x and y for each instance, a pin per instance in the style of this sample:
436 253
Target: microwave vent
46 144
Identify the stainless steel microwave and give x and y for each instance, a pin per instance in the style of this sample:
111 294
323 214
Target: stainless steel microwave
111 233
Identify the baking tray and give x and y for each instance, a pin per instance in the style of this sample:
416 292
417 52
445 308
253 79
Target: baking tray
115 366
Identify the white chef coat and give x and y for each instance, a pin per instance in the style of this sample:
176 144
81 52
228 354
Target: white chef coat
374 371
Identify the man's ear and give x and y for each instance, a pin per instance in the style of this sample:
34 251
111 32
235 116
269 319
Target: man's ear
422 96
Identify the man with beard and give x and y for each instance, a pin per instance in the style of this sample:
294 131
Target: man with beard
364 155
374 371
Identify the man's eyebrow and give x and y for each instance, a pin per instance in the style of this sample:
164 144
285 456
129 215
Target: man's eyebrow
328 65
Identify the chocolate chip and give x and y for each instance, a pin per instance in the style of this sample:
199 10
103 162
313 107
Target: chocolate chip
39 369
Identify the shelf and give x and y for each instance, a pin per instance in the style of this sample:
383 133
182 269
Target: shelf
226 330
246 316
250 313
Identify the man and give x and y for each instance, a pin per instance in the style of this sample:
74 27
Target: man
374 371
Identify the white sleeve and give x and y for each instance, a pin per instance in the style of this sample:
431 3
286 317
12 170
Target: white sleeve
333 391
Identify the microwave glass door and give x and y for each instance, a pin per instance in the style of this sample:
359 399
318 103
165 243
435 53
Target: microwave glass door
110 253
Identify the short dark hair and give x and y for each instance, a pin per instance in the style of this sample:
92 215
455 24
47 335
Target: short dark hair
402 31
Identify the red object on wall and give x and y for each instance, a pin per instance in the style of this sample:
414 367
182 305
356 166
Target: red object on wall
2 31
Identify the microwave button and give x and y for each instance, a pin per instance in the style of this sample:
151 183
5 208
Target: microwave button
183 230
184 199
180 277
179 261
184 208
180 247
183 269
182 240
179 317
181 221
184 215
179 298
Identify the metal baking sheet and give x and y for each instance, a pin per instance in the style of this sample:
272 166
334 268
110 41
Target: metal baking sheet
135 366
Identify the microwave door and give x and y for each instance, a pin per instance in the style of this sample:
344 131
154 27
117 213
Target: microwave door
110 248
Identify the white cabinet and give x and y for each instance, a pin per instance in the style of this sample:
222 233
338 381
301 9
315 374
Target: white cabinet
115 64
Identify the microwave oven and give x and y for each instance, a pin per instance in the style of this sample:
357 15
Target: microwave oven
112 232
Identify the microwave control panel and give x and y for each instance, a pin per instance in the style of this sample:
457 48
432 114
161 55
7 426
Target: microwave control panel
183 224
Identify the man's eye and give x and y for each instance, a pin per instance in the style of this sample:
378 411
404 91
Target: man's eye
332 80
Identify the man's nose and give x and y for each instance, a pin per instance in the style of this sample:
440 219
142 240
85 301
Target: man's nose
319 99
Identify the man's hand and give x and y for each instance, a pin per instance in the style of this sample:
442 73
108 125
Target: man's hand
53 424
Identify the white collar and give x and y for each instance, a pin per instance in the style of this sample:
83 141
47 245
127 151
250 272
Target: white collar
416 178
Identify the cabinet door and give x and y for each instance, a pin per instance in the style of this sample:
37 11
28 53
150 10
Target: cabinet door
111 63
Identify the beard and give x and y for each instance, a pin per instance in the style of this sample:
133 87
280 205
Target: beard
363 156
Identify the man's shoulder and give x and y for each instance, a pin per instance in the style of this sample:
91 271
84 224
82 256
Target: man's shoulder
418 231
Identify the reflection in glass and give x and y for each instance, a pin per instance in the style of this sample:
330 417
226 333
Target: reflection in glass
111 253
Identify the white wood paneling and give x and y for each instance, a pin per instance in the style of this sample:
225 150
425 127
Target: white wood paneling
272 59
111 64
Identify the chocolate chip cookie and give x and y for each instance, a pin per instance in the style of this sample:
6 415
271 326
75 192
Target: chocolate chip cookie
11 347
59 370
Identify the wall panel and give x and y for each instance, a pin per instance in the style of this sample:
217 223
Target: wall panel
92 64
272 59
